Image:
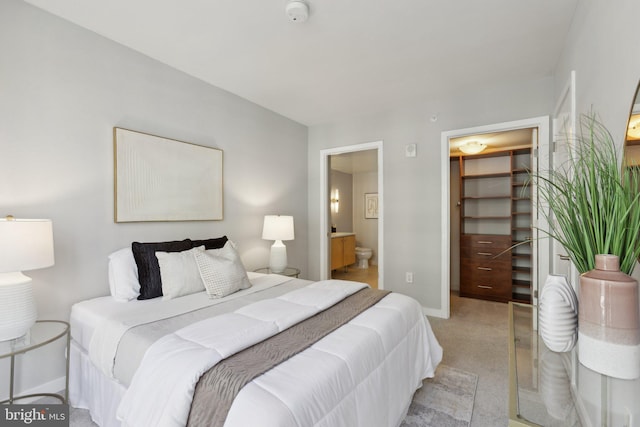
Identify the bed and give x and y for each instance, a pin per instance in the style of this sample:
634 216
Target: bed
139 362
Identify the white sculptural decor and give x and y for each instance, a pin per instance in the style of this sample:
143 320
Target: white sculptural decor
558 314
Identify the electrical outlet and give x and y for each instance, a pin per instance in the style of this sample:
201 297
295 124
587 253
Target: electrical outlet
409 277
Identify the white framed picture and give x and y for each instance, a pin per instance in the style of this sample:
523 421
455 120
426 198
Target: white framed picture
371 205
162 179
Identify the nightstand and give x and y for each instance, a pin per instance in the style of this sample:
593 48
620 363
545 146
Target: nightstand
43 332
289 271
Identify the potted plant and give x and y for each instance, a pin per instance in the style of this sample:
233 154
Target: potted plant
594 212
593 200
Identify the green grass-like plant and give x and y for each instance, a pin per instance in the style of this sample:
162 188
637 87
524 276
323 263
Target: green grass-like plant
593 200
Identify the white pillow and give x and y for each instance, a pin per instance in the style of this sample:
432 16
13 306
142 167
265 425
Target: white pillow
179 273
222 273
123 275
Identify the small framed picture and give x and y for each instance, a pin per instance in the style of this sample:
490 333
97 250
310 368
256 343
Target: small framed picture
371 205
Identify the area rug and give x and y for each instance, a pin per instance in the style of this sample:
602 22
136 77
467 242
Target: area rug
443 401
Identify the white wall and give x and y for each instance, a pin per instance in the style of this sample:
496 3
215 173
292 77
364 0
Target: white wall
366 229
602 47
62 90
412 186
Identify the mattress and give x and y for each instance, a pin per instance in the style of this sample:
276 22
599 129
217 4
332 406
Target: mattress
87 315
350 397
93 321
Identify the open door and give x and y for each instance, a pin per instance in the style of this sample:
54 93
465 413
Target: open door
564 131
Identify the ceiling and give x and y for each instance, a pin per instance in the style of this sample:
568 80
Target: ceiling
350 58
364 161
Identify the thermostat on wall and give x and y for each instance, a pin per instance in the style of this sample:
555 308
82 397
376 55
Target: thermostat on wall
410 150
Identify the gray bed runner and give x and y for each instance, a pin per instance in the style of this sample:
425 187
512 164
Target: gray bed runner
219 386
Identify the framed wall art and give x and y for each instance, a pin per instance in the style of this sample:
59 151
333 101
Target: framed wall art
371 205
161 179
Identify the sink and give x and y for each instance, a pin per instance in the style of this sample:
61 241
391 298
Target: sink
341 234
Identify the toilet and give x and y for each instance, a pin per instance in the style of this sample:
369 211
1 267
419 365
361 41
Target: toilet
363 255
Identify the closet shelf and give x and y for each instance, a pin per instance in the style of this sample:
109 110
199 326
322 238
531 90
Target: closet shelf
498 186
486 197
486 217
487 175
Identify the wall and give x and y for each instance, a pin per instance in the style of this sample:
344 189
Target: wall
366 229
62 91
412 186
602 48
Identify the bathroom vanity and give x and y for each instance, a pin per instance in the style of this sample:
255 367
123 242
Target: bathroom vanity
343 249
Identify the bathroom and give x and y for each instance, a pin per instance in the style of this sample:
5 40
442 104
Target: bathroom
353 185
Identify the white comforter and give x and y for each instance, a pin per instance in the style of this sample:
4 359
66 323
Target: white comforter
363 374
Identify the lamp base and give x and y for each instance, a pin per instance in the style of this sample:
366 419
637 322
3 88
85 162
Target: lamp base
17 305
278 257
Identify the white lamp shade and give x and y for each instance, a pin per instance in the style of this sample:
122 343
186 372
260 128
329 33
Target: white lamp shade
278 227
25 244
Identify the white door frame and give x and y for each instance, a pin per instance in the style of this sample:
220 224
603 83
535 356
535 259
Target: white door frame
542 123
325 271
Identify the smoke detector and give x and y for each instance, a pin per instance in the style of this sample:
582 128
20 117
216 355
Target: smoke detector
297 10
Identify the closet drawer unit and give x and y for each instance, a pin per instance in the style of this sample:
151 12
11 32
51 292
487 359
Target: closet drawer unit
486 279
485 253
485 267
485 241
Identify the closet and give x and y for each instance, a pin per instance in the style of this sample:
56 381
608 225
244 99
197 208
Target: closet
496 226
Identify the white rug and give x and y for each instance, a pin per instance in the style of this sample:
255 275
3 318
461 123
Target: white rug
443 401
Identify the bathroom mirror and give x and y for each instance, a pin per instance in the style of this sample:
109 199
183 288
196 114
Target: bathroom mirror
632 141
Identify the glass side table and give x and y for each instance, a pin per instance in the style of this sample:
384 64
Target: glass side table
547 388
43 332
289 271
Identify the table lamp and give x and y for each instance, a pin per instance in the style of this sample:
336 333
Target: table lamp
25 244
278 228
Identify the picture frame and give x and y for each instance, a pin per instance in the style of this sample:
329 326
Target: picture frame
371 205
162 179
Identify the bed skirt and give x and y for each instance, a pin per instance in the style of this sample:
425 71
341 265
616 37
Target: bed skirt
90 389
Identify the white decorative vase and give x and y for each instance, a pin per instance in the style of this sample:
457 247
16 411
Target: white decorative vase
558 314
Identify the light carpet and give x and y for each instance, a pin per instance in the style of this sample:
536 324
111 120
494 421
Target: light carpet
443 401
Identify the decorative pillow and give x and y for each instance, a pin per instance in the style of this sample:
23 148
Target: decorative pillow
179 273
148 267
222 274
123 275
215 243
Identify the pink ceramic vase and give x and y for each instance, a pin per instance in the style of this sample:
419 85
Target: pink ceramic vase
608 297
609 320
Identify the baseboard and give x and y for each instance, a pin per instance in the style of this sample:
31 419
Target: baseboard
434 312
53 386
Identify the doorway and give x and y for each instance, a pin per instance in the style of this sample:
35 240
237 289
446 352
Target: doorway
351 180
541 125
